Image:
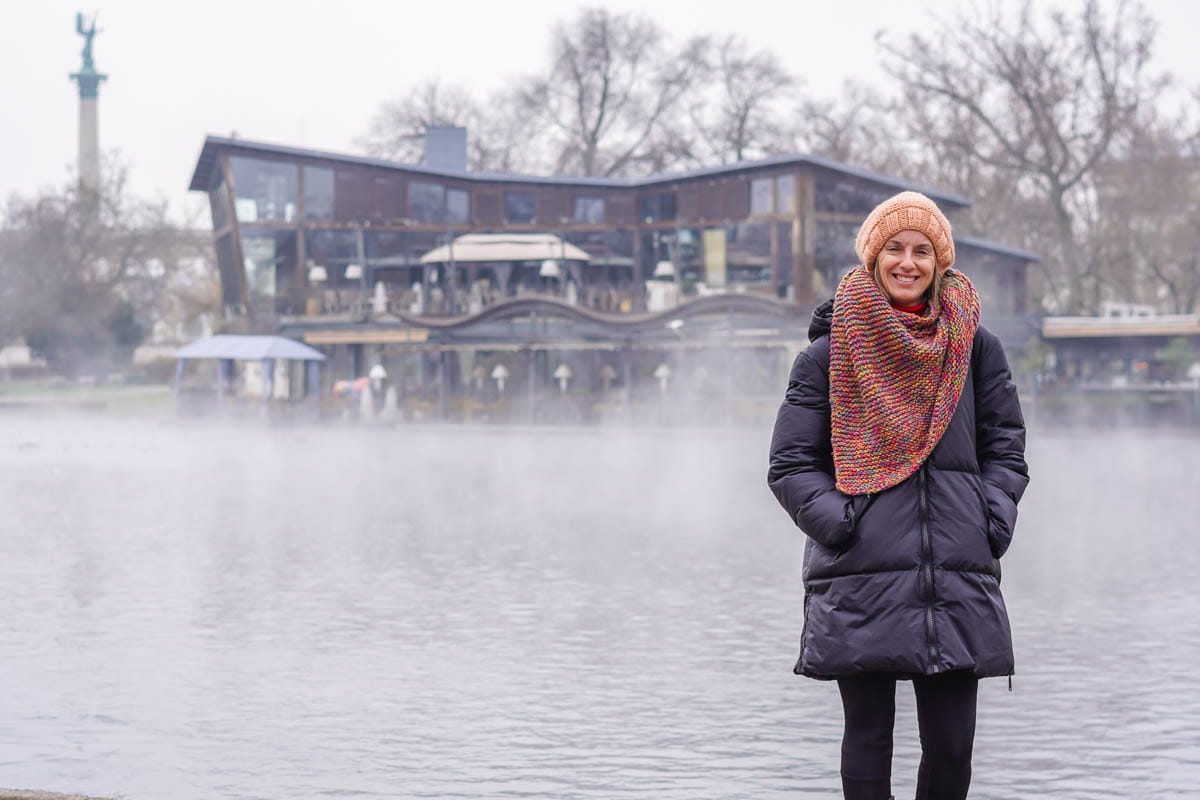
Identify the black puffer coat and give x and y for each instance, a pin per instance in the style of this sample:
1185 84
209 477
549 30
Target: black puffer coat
907 580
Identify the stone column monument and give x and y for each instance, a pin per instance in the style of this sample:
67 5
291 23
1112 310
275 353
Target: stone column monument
89 90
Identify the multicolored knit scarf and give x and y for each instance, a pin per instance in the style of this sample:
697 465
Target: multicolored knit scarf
894 378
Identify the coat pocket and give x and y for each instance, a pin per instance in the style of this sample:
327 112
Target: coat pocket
987 521
983 503
1002 518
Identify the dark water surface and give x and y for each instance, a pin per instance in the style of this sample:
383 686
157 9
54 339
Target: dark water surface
251 613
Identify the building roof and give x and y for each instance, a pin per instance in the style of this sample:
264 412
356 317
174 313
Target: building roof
1120 327
984 244
484 247
202 175
249 348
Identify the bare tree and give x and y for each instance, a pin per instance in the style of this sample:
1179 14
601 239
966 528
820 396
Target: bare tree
613 84
1149 217
1042 99
738 116
856 127
397 131
84 274
498 136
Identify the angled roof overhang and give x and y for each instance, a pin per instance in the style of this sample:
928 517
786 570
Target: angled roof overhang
1003 249
206 163
249 348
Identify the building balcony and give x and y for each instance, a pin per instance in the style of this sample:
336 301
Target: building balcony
361 303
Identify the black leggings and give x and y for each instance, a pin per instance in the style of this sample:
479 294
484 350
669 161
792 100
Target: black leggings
945 717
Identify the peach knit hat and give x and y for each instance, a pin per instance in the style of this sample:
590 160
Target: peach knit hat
907 211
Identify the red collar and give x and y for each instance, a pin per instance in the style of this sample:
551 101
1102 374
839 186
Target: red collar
919 308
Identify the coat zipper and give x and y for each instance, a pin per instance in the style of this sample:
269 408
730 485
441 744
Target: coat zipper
927 570
799 668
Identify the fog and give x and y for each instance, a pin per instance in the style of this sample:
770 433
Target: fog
251 611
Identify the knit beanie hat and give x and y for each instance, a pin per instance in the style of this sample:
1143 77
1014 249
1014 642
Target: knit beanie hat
907 211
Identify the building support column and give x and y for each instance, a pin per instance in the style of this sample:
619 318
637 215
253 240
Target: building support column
639 275
531 385
804 241
625 356
313 386
443 377
239 266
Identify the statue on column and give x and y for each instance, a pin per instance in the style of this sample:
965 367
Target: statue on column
88 34
87 77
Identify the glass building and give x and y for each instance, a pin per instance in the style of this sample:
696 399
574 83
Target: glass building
380 258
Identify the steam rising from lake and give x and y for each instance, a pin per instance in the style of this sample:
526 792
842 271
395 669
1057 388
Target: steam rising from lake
438 611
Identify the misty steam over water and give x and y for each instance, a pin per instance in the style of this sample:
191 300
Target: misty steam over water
268 613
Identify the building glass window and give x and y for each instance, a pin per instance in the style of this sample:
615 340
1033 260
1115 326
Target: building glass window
519 207
334 250
389 198
318 194
647 208
833 255
760 196
267 256
421 242
610 265
847 196
426 201
666 205
589 210
748 254
385 248
458 207
785 194
389 260
264 191
688 255
657 207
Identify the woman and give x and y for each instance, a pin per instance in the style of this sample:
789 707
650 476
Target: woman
899 451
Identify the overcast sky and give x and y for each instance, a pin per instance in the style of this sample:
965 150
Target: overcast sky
312 73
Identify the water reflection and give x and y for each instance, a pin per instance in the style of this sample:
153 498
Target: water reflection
257 613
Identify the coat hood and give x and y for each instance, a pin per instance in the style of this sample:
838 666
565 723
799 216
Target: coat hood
822 321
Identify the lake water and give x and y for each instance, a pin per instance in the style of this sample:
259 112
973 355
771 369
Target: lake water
254 613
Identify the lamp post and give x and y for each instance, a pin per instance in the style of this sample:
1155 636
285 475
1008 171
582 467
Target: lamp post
379 300
378 376
354 272
500 375
452 279
1193 374
562 247
563 376
549 269
317 275
663 373
608 375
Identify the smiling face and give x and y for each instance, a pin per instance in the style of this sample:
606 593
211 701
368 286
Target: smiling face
905 267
